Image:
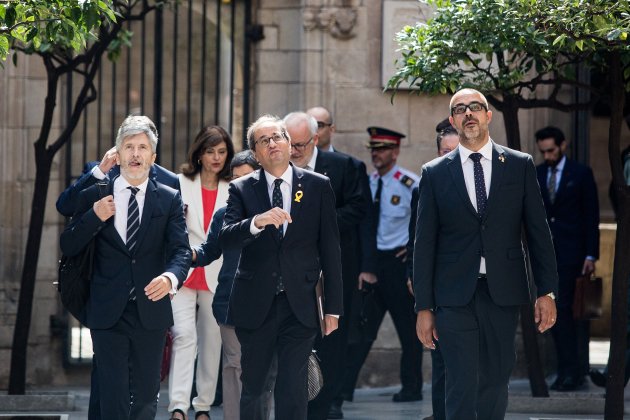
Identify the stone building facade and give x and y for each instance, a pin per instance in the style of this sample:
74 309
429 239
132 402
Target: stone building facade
314 52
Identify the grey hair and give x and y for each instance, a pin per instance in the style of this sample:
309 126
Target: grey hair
137 124
246 157
297 117
265 119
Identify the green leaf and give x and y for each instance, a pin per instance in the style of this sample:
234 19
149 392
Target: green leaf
559 40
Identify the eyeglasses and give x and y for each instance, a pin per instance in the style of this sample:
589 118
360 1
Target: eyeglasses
277 138
301 146
473 106
322 124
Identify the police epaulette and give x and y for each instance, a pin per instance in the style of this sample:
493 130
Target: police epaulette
408 182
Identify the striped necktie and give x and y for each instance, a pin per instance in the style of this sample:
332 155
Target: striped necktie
551 185
133 224
480 183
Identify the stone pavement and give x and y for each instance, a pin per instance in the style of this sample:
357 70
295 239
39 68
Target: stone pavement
376 404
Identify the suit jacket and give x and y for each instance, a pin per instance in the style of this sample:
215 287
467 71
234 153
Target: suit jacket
574 215
162 247
450 237
310 244
191 196
66 203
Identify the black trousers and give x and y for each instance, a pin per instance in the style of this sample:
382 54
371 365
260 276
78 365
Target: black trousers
283 335
392 295
438 383
477 343
118 350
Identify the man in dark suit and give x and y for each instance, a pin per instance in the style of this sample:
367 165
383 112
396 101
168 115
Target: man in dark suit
107 168
284 219
351 208
570 196
141 257
469 262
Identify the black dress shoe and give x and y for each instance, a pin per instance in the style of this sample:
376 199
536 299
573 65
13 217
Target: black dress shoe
406 395
597 377
335 410
571 383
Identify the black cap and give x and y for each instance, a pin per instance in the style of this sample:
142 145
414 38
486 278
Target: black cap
383 138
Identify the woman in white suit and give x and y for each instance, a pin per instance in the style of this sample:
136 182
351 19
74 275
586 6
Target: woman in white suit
204 187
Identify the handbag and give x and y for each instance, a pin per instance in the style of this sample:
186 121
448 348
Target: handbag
315 376
74 280
587 300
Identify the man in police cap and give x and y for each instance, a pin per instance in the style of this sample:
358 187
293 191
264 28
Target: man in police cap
392 188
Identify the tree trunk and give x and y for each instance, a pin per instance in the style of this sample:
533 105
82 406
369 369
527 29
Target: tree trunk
621 272
535 371
17 377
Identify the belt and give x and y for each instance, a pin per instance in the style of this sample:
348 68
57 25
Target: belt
391 251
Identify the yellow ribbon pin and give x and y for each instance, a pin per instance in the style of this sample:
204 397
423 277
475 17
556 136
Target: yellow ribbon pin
298 196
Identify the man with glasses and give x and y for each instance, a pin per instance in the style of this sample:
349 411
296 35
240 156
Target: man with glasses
351 208
469 267
325 127
283 218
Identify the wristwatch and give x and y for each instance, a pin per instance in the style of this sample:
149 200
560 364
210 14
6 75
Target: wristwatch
551 295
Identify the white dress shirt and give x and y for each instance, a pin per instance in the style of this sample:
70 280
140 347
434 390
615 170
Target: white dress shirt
469 177
310 166
286 187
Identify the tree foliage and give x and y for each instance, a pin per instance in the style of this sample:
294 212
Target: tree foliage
36 25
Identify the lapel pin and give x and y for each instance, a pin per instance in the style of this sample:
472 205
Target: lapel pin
502 158
298 196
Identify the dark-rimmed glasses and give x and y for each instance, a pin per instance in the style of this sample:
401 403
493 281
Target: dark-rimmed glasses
301 146
473 106
322 124
264 141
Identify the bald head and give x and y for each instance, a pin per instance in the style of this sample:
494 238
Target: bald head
325 126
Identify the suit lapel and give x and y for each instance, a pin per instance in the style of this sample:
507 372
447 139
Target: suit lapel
195 193
297 198
498 166
565 177
321 166
457 173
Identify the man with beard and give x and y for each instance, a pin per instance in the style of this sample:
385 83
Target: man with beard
570 196
469 267
141 257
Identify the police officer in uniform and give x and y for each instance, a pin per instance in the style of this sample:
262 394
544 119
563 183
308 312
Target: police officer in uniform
392 188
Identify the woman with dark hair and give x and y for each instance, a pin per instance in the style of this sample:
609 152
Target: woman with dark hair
204 186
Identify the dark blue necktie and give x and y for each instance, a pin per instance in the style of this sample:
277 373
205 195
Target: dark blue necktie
480 184
276 201
133 224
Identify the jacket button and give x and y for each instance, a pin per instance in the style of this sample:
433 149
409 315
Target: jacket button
274 274
133 261
553 219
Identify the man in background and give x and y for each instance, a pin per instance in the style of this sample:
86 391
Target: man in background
570 196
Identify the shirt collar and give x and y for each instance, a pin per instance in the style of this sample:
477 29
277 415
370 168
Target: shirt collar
311 163
121 184
486 151
560 165
287 177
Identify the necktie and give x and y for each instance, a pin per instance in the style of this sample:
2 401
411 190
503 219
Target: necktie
377 200
551 185
276 201
133 224
480 184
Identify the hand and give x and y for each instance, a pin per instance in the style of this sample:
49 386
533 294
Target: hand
545 313
589 267
194 255
410 287
158 288
105 208
425 328
108 161
402 254
331 322
275 216
365 277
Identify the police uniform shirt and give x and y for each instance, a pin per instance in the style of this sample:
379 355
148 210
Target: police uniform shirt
395 207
